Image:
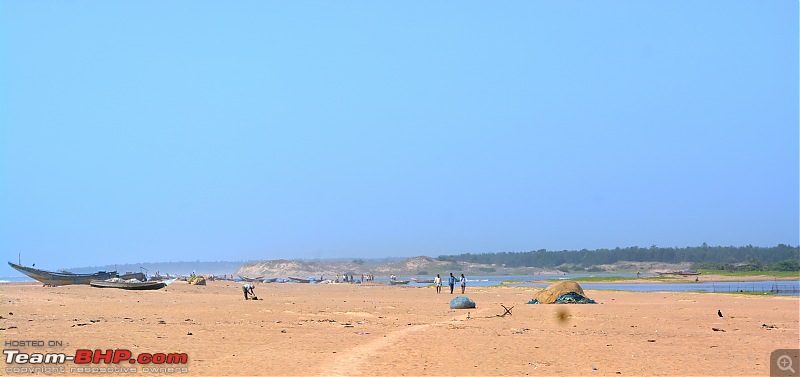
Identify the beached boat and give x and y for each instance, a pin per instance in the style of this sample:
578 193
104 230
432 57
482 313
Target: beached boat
130 284
398 282
422 281
133 275
159 277
248 279
309 280
63 277
269 280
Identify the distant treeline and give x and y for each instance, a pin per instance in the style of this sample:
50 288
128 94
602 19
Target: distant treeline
784 257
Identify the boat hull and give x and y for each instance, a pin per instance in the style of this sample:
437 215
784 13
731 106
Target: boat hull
247 279
61 278
142 286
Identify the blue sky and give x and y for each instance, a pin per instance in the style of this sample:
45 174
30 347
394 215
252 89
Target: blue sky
184 130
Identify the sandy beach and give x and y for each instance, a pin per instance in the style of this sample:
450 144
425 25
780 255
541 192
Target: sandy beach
367 330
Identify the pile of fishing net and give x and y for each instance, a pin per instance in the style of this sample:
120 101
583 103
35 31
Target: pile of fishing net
563 292
462 302
196 280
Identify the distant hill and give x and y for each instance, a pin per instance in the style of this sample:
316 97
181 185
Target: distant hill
504 263
421 265
756 256
177 268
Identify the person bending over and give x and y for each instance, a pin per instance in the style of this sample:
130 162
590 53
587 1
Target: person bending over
248 289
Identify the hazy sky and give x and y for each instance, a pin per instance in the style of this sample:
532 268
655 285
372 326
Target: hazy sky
182 130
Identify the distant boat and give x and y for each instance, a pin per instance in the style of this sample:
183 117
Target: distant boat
62 278
309 280
245 278
269 280
133 275
422 281
159 277
130 285
398 282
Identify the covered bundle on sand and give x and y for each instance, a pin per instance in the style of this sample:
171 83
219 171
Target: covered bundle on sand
462 302
563 292
196 280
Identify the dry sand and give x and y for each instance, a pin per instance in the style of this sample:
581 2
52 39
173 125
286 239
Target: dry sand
367 330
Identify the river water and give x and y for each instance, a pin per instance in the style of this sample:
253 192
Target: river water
782 287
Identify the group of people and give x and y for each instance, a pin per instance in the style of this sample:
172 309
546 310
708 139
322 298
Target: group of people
344 279
248 289
350 279
451 281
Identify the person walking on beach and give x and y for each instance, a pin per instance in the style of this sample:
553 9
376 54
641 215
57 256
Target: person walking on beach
452 282
438 282
463 283
248 288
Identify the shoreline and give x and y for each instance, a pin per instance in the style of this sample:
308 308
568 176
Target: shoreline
594 278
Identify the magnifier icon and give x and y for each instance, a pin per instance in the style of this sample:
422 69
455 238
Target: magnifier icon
785 363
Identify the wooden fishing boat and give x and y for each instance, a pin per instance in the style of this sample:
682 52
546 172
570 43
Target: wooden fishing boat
250 280
422 281
159 277
62 277
133 275
399 282
269 280
298 280
131 284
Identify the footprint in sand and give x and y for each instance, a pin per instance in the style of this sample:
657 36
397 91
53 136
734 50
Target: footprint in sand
349 363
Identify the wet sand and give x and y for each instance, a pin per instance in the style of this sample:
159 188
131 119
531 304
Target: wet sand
367 330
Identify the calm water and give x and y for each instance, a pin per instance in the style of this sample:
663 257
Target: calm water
790 288
784 287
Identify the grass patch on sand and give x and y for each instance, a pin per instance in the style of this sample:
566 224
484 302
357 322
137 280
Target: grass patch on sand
745 293
750 293
777 274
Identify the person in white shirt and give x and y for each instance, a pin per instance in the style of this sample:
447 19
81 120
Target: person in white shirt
438 282
463 283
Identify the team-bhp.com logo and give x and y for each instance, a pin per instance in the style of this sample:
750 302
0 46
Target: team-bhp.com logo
155 361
